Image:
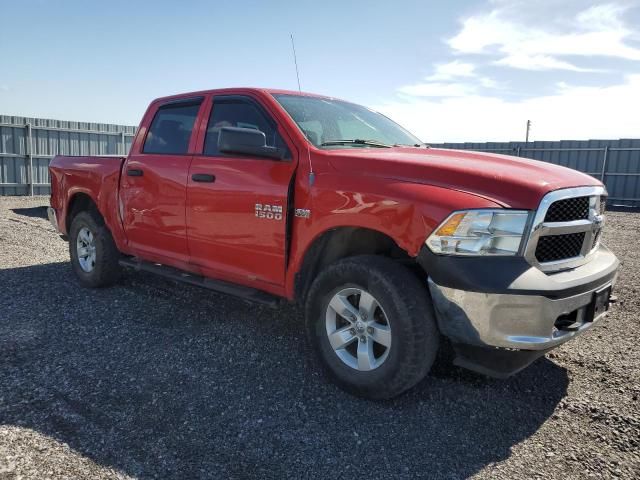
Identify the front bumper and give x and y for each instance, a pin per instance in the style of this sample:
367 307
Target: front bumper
502 313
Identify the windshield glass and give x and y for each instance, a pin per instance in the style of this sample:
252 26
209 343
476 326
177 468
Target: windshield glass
329 123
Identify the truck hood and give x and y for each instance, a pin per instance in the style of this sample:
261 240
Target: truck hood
510 181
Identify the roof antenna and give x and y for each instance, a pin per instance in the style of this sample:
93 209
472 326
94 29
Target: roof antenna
312 175
295 61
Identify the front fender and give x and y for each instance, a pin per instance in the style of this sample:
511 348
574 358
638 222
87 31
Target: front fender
406 212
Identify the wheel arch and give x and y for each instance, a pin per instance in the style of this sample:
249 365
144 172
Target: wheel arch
79 202
342 242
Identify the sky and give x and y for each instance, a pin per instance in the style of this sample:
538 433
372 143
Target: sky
446 70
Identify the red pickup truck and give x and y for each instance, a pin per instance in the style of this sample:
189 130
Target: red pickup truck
390 245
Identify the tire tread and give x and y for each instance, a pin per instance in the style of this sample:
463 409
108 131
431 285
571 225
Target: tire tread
412 300
107 270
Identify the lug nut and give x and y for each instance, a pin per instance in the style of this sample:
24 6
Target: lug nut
370 329
363 339
352 331
364 316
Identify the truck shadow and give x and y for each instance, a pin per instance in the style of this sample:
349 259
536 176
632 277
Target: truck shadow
31 212
159 380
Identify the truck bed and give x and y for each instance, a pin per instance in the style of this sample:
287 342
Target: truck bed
95 176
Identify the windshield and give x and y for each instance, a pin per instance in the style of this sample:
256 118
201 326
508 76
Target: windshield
329 123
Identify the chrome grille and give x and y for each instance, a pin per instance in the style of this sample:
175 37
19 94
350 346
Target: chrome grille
568 209
566 228
558 247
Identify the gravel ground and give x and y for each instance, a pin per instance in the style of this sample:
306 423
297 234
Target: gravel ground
155 380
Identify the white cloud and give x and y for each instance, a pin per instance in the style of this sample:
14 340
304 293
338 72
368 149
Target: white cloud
605 16
436 89
595 31
538 62
573 112
453 79
448 71
458 103
487 82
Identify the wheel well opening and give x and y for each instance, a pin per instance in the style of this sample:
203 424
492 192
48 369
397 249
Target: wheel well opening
80 202
341 243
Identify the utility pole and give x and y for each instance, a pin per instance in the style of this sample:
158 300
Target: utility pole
528 128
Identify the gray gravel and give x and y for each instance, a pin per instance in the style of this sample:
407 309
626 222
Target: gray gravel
155 380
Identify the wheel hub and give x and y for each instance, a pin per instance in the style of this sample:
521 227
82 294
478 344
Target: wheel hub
358 329
86 250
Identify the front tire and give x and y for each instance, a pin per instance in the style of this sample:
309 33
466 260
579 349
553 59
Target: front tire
372 325
94 255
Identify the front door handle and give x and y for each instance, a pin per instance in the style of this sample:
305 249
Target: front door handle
203 177
134 172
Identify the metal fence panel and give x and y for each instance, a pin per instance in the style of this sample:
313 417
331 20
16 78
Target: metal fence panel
615 162
28 144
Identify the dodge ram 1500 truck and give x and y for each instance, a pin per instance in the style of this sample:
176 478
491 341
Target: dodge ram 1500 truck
390 245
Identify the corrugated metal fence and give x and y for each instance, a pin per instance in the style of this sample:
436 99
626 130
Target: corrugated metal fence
28 144
615 162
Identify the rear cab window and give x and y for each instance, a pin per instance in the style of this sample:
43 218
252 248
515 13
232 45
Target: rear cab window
171 128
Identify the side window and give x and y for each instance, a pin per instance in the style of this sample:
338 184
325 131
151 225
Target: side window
243 113
171 128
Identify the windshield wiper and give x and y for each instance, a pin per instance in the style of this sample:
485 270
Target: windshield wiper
416 145
356 141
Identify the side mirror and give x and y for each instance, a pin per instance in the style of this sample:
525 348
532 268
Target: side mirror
246 141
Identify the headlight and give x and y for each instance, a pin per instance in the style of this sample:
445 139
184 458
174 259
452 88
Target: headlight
480 232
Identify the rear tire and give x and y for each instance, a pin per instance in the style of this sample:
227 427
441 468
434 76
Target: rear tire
404 324
94 255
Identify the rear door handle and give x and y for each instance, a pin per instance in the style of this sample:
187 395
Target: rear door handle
134 172
203 177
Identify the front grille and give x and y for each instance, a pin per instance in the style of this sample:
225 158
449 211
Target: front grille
552 248
566 228
569 209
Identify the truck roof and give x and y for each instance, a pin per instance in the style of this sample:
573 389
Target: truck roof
222 91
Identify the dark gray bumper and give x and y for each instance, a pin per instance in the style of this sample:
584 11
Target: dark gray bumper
517 308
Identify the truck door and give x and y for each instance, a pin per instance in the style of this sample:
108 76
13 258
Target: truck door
154 183
237 204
